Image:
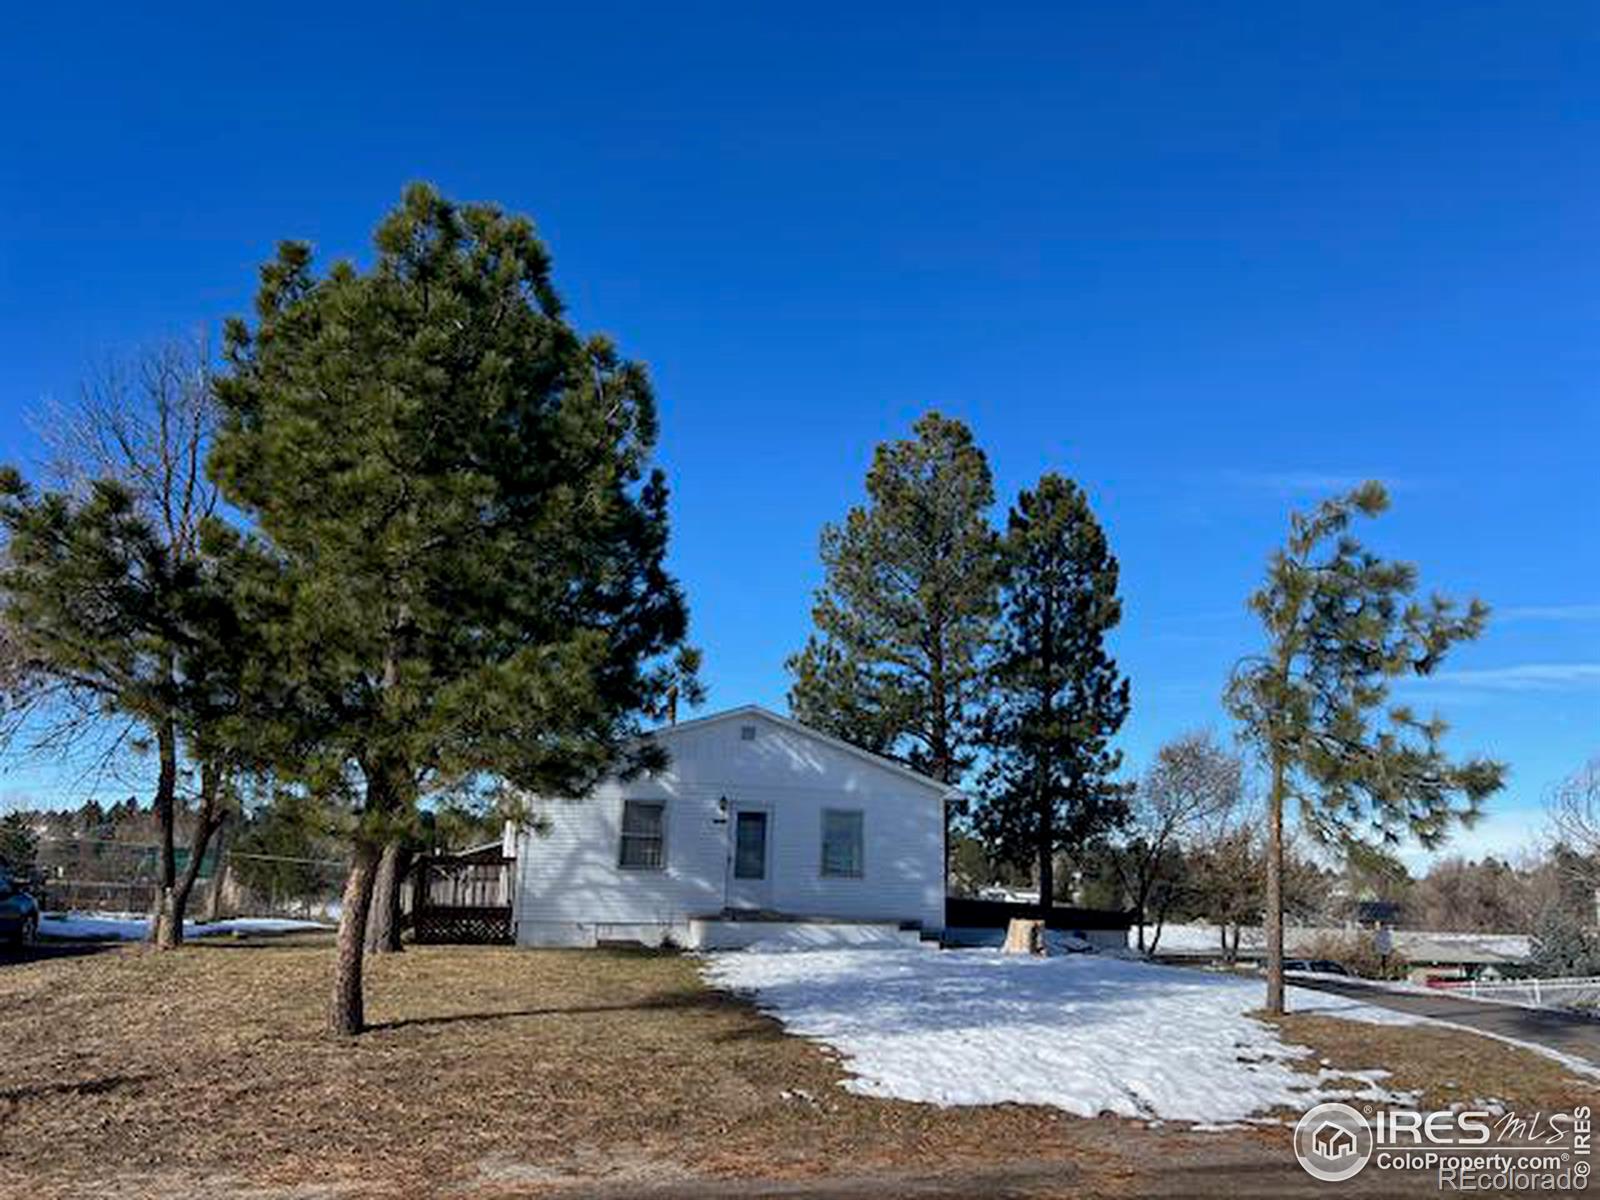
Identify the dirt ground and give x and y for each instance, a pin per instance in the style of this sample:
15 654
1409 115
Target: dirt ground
497 1072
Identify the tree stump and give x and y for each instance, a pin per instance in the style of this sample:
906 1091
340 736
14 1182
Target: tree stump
1024 937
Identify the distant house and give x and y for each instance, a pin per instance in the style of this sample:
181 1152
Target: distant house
758 826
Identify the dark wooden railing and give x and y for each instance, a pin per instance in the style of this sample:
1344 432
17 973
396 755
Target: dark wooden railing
455 900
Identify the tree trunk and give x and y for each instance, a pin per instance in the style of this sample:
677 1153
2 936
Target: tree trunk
219 877
347 1014
1047 866
1275 889
1140 902
1042 765
161 934
1161 924
940 762
383 915
174 898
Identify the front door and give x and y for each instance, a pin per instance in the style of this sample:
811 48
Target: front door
748 859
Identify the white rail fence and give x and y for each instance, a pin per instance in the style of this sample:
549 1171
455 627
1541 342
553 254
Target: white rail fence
1569 992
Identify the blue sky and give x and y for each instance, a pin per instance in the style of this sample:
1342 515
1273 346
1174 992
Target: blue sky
1213 261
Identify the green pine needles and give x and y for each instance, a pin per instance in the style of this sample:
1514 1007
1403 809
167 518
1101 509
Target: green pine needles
1341 625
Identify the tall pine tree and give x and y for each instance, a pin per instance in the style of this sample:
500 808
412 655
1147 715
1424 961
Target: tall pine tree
1340 624
455 489
906 612
1058 696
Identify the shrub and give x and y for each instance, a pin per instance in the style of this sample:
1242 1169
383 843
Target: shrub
1357 952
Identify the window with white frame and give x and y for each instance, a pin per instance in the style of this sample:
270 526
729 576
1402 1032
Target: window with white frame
842 843
644 840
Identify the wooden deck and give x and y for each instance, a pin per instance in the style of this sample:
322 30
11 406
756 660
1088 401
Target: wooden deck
463 900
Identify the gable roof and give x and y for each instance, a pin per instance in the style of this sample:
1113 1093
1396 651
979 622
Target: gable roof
745 711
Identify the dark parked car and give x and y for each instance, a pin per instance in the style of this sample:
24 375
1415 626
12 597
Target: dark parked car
19 913
1317 966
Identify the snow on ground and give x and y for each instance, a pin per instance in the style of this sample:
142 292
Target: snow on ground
1086 1033
134 927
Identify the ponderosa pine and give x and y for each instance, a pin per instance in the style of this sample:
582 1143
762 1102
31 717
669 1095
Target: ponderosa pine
456 487
1340 624
1058 698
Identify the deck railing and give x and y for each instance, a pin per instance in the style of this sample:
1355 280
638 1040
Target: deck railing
462 899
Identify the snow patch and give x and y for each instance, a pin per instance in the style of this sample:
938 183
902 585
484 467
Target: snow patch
1085 1033
132 927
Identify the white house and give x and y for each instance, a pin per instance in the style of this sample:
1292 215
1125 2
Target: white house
756 820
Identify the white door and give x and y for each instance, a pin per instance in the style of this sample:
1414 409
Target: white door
749 858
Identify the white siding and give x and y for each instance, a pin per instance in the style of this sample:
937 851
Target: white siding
572 891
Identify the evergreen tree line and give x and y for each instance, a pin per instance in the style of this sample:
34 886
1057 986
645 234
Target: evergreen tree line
978 656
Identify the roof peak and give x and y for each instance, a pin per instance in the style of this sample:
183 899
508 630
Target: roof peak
757 710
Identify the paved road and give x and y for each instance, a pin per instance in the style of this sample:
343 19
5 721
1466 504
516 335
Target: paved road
1569 1033
1217 1168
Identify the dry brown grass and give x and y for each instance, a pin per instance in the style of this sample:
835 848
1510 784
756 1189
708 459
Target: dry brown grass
1443 1066
509 1068
512 1072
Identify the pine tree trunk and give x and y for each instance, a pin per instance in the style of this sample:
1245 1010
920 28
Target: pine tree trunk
347 1014
1274 918
174 899
940 759
1047 864
403 864
164 933
219 877
1042 765
383 915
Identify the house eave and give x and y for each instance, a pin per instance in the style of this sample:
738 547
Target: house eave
945 790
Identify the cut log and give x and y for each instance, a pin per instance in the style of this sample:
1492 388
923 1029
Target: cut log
1024 937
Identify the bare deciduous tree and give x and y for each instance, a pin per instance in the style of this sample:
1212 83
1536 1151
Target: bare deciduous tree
1575 810
145 422
1226 870
1193 785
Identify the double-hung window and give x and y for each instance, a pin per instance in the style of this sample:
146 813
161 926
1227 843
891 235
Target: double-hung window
842 843
644 840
